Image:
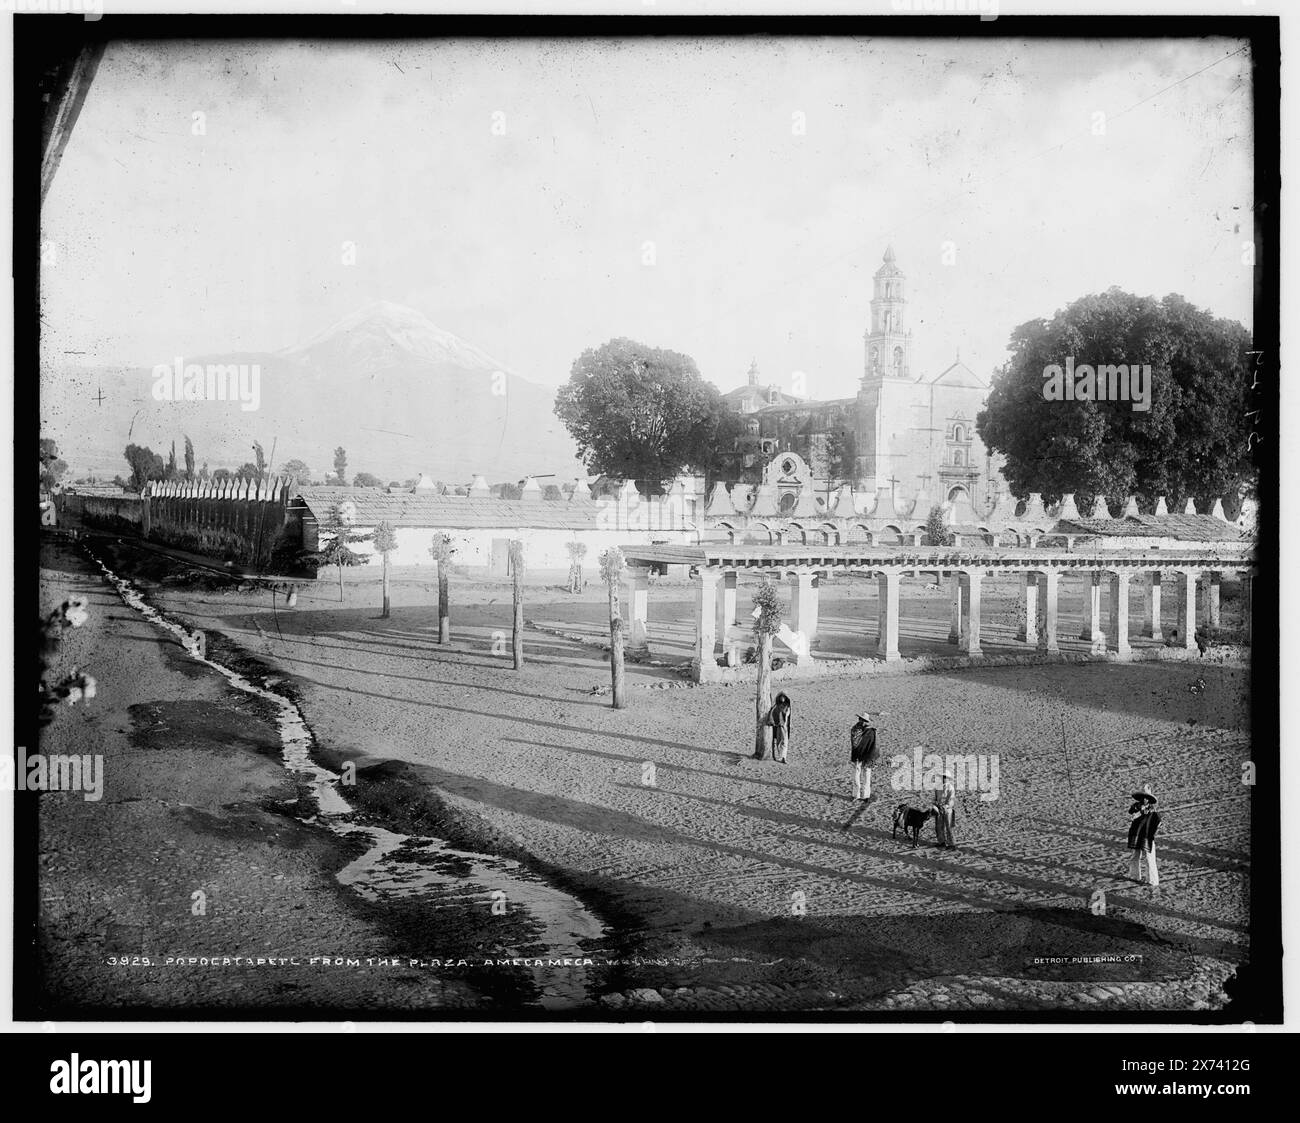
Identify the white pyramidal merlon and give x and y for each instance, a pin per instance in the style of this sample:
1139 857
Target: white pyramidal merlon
378 874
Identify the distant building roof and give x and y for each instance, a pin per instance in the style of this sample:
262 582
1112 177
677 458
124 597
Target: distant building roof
454 512
759 396
1184 528
806 403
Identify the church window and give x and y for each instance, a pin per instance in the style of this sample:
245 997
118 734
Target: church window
958 457
898 358
958 434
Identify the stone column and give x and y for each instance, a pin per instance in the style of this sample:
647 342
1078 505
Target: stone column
1092 615
726 620
804 593
638 606
1212 582
1119 585
1187 610
958 595
1028 630
706 614
1049 584
970 633
887 589
1151 610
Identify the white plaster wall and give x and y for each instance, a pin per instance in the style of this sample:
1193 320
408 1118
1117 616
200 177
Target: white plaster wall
543 549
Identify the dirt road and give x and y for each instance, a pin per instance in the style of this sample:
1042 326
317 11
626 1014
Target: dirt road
751 886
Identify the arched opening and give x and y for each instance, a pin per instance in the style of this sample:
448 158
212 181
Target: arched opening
787 502
858 532
958 495
891 536
958 433
831 533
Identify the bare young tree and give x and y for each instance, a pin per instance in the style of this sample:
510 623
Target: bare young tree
577 551
337 551
517 578
385 540
767 622
611 570
442 552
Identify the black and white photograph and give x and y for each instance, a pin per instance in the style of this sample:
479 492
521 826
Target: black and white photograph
648 520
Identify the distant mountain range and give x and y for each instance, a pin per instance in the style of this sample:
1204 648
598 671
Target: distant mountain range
400 394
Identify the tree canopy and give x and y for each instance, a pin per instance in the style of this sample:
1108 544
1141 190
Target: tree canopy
1191 442
145 465
644 413
297 472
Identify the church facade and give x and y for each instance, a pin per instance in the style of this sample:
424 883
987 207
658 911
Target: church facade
906 432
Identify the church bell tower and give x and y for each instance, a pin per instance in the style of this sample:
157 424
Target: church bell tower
888 340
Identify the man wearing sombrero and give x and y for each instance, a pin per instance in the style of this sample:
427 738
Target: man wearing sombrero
863 752
945 804
1144 821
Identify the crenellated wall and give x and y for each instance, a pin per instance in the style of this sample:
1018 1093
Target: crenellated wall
236 519
232 519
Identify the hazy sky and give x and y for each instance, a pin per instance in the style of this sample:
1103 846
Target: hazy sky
530 243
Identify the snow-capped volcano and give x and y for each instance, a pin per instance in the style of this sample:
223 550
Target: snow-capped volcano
383 333
400 394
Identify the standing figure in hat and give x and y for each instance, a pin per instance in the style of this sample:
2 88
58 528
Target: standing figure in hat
863 752
778 717
1144 821
945 806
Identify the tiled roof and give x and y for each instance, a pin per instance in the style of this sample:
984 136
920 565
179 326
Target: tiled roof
796 404
454 512
1184 528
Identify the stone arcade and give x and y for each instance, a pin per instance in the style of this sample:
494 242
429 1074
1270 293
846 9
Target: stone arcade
718 634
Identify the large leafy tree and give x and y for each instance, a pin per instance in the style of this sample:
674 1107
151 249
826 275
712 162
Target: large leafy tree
1192 442
145 465
644 413
297 472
